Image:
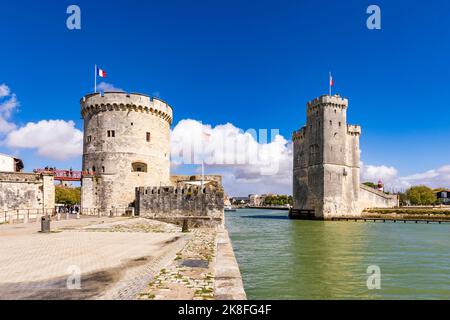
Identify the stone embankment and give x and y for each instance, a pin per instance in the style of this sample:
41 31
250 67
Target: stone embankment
205 269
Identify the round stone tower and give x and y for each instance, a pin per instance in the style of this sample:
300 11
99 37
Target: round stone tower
126 145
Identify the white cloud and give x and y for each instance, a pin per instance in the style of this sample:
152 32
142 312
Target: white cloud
53 139
375 173
108 87
8 104
250 161
434 178
4 90
6 126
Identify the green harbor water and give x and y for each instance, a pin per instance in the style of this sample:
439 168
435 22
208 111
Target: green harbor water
291 259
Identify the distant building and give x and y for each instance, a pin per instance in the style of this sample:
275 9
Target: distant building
66 184
10 164
240 201
443 196
226 201
257 200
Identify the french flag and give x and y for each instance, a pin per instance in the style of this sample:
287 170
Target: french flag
101 73
331 80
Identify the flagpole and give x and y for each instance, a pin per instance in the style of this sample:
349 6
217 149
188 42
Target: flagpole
329 82
95 79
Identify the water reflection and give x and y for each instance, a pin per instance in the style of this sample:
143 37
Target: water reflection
328 258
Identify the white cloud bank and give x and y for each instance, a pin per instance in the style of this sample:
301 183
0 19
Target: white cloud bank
53 139
254 161
8 105
434 178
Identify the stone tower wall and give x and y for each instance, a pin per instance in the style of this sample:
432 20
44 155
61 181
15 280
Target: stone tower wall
116 147
326 160
372 198
27 191
327 164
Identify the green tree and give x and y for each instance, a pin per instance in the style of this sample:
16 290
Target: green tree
268 200
403 199
370 184
421 195
291 200
70 196
278 200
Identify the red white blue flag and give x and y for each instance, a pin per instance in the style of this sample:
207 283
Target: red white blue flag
101 73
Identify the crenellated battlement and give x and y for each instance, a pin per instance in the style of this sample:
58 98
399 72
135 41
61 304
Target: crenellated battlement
299 135
328 101
122 101
183 200
183 190
353 129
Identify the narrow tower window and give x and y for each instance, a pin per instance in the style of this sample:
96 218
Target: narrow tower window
111 133
148 136
139 167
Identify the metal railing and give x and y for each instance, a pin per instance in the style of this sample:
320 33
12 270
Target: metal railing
24 215
34 215
111 212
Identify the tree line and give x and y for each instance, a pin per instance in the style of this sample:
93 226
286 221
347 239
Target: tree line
419 196
278 200
68 196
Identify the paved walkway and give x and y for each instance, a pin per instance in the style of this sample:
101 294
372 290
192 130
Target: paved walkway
113 265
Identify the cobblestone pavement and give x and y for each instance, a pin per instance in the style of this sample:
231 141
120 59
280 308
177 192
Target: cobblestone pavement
191 275
113 265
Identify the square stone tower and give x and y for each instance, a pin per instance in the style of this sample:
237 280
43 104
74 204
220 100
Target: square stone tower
326 160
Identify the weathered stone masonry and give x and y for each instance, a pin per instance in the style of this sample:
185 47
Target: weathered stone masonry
326 164
26 191
181 201
126 154
126 145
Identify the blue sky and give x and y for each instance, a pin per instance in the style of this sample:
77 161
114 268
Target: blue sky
250 63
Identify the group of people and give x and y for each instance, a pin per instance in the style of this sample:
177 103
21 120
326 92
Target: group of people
66 173
68 209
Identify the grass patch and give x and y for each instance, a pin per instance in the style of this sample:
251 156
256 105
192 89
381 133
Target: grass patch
203 291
